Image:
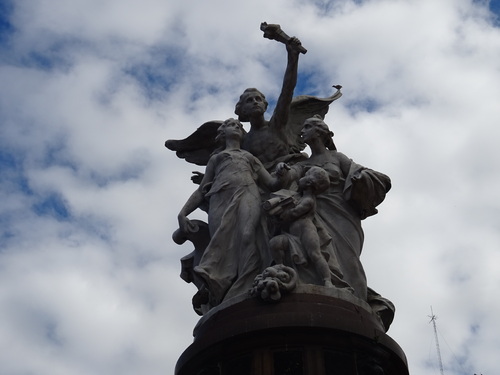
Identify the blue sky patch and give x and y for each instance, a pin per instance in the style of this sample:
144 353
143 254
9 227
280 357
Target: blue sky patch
8 161
495 6
6 27
307 85
495 9
53 205
12 172
157 76
56 153
52 58
154 82
363 105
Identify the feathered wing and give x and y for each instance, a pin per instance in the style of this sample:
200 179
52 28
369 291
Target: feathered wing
302 108
198 147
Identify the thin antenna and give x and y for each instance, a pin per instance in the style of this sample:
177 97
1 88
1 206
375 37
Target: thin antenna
433 320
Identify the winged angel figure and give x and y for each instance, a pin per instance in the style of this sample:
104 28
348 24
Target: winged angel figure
272 142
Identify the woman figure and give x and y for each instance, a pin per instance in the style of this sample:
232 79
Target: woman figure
353 194
238 247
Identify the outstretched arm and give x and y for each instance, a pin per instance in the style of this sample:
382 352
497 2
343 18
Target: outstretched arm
195 200
281 112
277 179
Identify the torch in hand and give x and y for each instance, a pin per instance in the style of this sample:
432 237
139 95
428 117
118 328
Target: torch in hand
273 31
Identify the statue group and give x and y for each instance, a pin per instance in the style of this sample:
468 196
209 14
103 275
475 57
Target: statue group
277 217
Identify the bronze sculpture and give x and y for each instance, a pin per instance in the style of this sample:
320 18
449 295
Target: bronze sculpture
277 265
334 219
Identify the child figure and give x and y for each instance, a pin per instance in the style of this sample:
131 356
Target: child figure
303 227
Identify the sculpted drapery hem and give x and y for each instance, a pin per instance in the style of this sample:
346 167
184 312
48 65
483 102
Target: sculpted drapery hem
353 194
238 248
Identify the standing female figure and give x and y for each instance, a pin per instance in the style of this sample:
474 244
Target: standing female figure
238 248
353 194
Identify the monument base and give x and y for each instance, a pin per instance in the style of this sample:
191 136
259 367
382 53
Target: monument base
312 331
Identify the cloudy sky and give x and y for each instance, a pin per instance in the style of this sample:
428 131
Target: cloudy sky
91 89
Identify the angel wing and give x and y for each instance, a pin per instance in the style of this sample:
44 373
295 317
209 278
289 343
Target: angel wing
302 108
198 147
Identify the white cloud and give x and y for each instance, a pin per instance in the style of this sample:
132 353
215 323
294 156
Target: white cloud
91 90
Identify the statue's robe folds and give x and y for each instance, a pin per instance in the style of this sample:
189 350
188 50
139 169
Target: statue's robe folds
351 197
238 248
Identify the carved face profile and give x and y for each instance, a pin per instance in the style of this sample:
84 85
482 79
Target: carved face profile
252 103
309 130
230 127
315 127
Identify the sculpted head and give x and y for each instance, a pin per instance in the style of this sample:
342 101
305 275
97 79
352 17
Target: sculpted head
316 179
230 126
252 101
315 127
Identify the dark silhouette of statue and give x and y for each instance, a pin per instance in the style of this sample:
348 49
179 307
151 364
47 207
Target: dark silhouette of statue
273 140
320 237
281 287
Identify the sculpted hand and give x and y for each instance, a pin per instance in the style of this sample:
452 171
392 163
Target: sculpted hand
356 176
294 45
282 169
197 177
286 216
186 225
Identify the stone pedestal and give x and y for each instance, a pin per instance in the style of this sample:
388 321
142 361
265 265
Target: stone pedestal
313 331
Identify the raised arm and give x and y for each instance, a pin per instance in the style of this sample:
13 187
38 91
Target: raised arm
281 112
